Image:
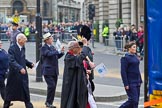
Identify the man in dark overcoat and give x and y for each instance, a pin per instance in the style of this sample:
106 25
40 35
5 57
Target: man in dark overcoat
50 67
17 88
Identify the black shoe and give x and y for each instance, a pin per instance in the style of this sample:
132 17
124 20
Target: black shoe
11 104
7 104
49 105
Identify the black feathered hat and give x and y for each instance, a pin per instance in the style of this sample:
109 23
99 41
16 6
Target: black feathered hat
14 24
86 32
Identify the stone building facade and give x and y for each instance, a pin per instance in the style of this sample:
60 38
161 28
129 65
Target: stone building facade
132 12
56 10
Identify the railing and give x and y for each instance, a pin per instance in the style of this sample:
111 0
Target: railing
117 43
63 36
3 36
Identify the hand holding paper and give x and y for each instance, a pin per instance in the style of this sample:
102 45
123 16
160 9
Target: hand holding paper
35 66
101 69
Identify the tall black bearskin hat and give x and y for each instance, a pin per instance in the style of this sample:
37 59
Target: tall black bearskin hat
86 32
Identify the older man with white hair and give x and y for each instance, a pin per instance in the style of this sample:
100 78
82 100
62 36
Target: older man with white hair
74 88
17 88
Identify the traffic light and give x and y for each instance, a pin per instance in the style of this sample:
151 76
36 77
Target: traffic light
91 11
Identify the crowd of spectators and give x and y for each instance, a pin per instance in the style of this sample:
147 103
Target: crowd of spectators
30 28
68 27
127 34
123 33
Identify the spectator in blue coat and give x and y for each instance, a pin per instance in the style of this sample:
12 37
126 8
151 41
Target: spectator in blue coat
131 76
50 67
3 69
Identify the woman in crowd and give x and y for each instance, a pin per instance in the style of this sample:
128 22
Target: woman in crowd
133 36
131 76
140 40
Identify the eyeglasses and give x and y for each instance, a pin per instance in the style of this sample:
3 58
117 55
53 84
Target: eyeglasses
77 47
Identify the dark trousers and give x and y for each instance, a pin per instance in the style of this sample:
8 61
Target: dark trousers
2 89
106 42
133 96
140 48
27 104
51 87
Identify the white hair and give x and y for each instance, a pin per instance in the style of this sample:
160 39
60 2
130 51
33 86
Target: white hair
20 36
72 44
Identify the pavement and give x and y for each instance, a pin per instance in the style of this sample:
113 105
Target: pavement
102 93
40 104
100 47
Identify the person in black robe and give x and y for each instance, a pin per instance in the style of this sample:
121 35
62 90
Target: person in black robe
74 89
17 88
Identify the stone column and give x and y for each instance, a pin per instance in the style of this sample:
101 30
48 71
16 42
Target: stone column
55 10
113 16
100 19
140 11
133 12
103 16
126 11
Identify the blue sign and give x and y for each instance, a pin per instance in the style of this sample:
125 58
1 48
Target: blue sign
154 25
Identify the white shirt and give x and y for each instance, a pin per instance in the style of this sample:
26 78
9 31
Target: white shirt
19 46
49 45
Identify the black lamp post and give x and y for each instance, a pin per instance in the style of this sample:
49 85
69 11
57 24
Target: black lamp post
120 9
146 54
38 42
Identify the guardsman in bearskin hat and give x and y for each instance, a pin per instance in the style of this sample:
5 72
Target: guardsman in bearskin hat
86 32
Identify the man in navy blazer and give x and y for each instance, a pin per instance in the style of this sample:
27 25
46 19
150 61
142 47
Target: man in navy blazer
50 67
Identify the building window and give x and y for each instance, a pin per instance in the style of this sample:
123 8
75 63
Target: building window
17 5
45 8
60 16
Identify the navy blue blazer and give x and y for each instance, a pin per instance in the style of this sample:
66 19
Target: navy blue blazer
130 72
4 62
49 61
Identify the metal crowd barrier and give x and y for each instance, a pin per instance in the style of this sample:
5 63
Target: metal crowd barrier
3 36
117 43
63 36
